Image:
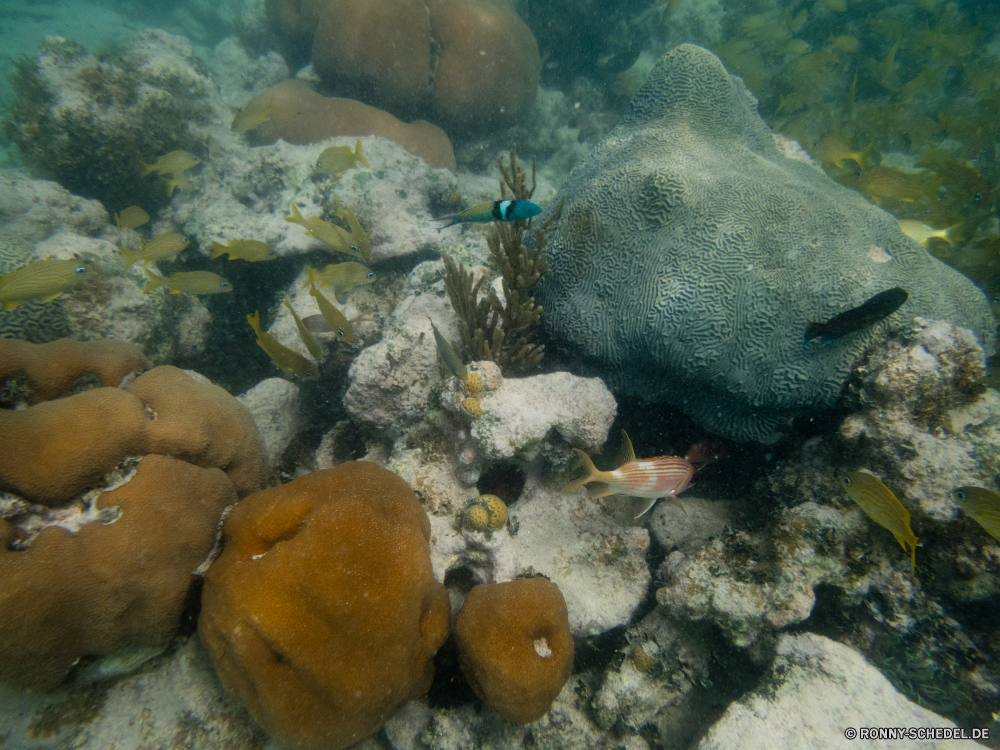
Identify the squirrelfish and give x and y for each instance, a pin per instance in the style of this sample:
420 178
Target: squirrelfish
173 163
652 478
190 282
281 356
131 217
341 276
41 279
162 246
304 333
326 232
922 233
333 317
338 159
832 147
881 306
257 111
450 356
505 210
252 250
983 506
883 508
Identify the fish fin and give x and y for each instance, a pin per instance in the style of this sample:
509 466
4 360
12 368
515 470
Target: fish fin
146 168
175 291
129 256
862 155
645 510
913 556
49 298
677 501
599 489
359 155
813 330
10 305
254 321
452 221
592 473
218 250
152 281
626 454
296 217
338 291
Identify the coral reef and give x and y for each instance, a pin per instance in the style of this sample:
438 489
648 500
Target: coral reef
322 615
303 116
664 202
501 326
469 66
515 646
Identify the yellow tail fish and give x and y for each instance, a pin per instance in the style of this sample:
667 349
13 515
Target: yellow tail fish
983 506
281 356
883 508
333 317
42 280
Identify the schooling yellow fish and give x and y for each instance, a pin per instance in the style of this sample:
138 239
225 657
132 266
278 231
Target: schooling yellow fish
161 247
883 508
189 282
888 182
281 356
832 148
131 218
333 317
651 478
983 506
338 159
326 232
922 233
341 276
251 250
304 333
173 163
357 238
42 280
257 111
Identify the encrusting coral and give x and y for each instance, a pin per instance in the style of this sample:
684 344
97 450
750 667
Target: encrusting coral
503 331
515 646
159 460
322 614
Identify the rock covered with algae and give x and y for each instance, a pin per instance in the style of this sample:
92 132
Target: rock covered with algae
691 254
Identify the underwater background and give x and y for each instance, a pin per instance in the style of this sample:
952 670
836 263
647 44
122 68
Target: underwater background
499 373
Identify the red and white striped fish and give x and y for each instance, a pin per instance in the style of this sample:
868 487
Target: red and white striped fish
653 478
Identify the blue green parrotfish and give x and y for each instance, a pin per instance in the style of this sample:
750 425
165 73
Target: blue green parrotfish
505 210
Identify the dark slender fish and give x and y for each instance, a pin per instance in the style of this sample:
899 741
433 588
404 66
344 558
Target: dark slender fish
882 305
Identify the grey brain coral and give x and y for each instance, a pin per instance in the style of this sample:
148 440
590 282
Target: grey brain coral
692 253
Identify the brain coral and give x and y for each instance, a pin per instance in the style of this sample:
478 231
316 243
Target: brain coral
691 254
93 574
322 614
469 64
515 646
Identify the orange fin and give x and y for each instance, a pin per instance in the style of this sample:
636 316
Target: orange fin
592 474
625 453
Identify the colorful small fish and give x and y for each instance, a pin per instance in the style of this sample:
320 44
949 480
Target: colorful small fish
161 247
131 218
922 233
505 210
832 148
652 478
450 356
336 237
304 333
281 356
250 250
983 506
341 276
41 280
173 163
333 317
883 508
189 282
336 160
881 306
357 238
257 111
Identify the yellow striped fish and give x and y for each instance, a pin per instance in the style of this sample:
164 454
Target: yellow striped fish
333 317
42 280
652 478
281 356
983 506
304 333
161 247
883 508
131 217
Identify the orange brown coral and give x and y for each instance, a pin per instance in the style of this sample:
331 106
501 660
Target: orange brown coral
322 614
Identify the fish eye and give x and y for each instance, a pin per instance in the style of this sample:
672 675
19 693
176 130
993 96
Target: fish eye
80 269
185 238
959 494
370 274
980 195
223 284
340 331
355 248
847 481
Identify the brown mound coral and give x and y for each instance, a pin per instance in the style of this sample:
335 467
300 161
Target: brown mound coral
302 116
119 577
322 613
472 64
515 646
